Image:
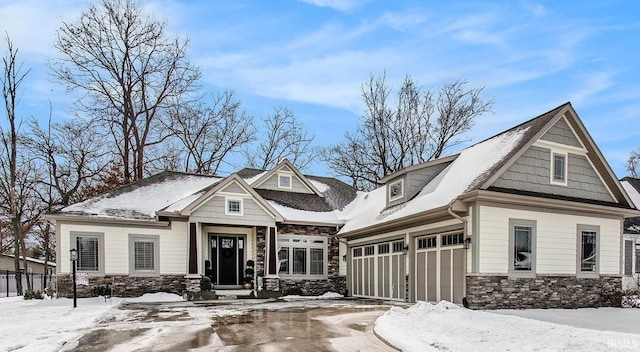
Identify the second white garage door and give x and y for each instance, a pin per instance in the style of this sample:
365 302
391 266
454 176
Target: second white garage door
378 270
440 267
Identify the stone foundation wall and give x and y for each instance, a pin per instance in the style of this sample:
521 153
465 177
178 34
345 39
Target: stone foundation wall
501 292
314 287
333 244
123 286
271 284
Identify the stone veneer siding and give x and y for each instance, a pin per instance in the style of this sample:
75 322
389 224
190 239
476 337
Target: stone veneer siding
261 248
501 292
123 285
311 287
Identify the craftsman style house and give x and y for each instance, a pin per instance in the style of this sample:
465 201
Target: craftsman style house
531 217
165 232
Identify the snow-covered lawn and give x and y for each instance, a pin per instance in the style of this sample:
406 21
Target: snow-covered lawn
53 325
46 325
445 326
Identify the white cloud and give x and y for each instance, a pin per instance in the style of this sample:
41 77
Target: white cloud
341 5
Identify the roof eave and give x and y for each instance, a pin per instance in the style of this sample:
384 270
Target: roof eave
404 222
559 204
102 220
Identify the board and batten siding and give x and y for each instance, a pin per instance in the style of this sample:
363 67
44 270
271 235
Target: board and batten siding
172 246
213 211
532 172
296 185
556 240
561 133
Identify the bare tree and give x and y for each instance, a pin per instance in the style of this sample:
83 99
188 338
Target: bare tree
284 138
418 126
209 133
13 181
633 163
127 72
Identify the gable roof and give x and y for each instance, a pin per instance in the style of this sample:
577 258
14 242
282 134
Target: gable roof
140 200
475 168
203 198
286 163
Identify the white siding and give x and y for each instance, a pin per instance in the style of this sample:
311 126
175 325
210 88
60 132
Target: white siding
556 238
172 247
297 185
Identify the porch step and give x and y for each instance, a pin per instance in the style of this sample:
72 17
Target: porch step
232 294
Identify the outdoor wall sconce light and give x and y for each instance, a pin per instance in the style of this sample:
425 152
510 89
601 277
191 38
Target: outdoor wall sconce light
467 243
74 260
344 258
405 250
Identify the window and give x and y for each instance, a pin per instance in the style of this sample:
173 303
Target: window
88 249
143 257
628 258
398 246
588 249
396 190
558 168
302 256
357 252
383 248
369 250
452 239
429 242
522 244
90 246
234 206
284 181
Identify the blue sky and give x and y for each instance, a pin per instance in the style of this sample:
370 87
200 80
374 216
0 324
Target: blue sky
312 56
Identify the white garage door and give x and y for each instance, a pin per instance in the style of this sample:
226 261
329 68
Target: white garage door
439 267
378 270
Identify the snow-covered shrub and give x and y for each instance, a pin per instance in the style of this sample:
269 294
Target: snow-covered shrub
31 294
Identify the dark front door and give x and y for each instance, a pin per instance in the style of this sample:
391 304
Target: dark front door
228 260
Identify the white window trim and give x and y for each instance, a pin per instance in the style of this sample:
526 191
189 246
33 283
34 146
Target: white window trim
156 255
100 236
233 199
579 272
399 196
555 152
288 241
525 223
289 176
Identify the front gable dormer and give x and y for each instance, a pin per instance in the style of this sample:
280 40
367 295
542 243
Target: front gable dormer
285 177
402 186
232 201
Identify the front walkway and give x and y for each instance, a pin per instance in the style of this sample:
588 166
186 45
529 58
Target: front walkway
239 325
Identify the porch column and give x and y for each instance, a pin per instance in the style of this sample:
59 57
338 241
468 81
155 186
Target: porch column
193 249
272 255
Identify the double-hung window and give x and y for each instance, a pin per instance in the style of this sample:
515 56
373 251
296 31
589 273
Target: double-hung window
522 247
90 247
302 256
143 255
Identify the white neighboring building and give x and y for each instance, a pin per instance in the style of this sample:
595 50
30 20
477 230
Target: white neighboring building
631 247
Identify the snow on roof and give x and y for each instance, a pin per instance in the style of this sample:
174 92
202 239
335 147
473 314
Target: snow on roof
30 259
319 185
142 199
252 179
291 214
453 181
632 192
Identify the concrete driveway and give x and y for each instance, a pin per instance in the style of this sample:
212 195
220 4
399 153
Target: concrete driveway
340 325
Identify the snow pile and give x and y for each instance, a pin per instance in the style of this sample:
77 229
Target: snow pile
326 295
445 326
155 298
